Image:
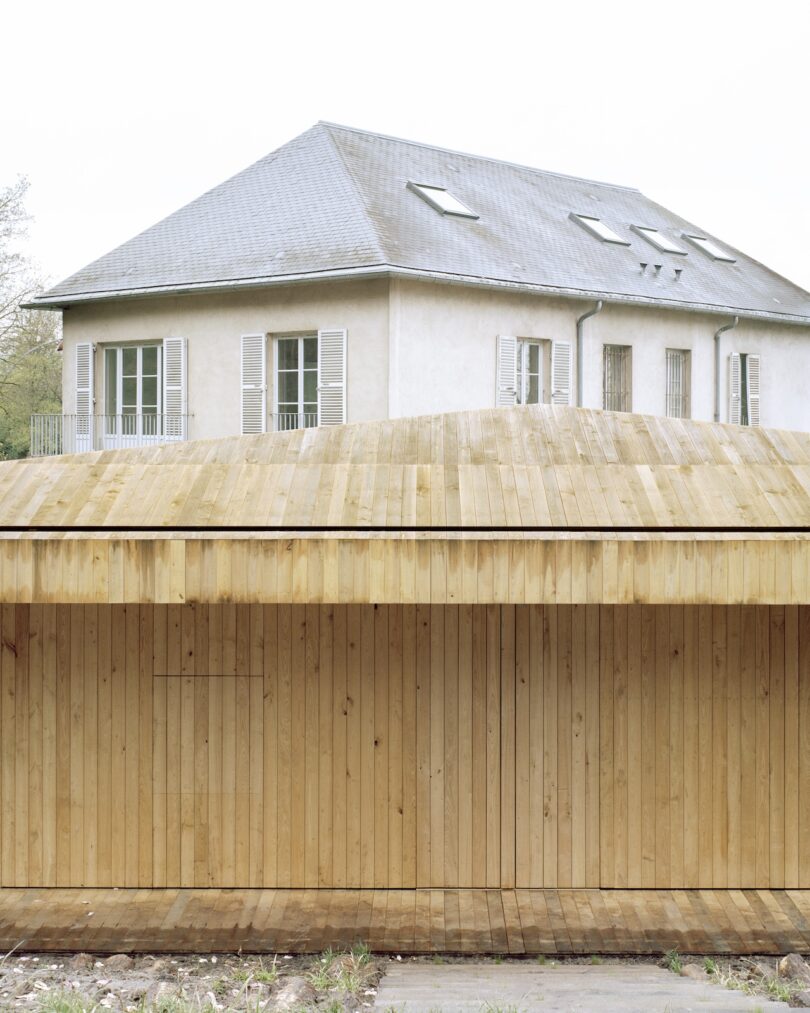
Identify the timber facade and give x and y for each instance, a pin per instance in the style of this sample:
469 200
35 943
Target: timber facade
533 649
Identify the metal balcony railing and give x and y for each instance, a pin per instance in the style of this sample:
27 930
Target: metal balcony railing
74 434
282 421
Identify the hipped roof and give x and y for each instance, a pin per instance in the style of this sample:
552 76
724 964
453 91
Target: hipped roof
334 202
520 469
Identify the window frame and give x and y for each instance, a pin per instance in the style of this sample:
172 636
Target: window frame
522 374
685 396
424 191
658 240
601 231
709 248
625 394
301 369
113 425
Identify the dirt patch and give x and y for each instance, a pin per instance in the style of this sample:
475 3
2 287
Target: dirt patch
214 983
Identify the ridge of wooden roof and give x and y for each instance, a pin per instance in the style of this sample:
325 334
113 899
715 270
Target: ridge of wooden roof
513 469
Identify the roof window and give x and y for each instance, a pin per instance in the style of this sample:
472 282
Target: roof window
442 200
597 228
657 239
709 247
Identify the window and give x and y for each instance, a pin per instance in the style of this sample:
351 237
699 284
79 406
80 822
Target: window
442 200
597 228
710 248
679 383
658 239
132 388
616 378
531 369
744 376
296 384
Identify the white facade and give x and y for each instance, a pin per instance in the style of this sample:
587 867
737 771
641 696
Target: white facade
415 347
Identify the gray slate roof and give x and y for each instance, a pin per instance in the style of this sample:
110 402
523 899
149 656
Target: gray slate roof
334 202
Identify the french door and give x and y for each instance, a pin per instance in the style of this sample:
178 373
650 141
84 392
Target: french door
132 394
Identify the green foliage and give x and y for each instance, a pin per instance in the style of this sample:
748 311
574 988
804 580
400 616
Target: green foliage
30 365
66 1002
672 960
710 965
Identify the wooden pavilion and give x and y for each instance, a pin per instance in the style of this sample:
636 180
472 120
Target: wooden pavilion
531 679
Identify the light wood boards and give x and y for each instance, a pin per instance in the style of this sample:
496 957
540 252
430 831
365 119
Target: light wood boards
392 747
563 921
520 569
509 468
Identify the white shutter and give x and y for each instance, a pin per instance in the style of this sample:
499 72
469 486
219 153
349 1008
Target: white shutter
506 371
752 362
174 388
332 377
561 372
734 388
254 383
84 396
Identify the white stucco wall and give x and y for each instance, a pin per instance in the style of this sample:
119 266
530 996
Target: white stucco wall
443 344
418 347
443 341
213 324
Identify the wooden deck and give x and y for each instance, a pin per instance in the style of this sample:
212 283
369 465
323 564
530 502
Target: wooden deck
407 921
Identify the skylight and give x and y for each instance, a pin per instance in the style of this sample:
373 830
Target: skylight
442 200
709 247
598 228
658 239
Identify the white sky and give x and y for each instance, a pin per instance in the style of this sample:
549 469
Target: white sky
120 113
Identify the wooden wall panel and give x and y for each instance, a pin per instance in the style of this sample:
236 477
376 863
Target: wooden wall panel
519 568
407 745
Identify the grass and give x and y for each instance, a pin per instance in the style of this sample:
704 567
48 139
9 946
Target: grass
341 972
66 1002
672 960
596 959
710 965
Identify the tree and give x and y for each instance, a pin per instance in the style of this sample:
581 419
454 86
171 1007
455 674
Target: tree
30 365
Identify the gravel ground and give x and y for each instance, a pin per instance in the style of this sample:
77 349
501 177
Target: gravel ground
328 983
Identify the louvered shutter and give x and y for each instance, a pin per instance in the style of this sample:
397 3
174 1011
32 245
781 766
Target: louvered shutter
254 383
506 369
174 388
332 377
84 396
561 372
752 362
734 388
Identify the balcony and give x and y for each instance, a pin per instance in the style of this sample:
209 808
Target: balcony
282 421
75 434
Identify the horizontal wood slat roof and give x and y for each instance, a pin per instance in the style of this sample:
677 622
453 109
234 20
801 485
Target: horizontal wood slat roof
510 469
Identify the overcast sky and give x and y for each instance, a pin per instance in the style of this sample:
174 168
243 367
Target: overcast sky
120 113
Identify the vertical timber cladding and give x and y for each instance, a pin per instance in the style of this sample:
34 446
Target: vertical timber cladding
639 746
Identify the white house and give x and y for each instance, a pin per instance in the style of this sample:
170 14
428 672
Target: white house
352 276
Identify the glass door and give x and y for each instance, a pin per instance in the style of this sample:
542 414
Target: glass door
132 395
297 382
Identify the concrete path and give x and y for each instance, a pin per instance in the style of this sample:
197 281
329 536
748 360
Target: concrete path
521 988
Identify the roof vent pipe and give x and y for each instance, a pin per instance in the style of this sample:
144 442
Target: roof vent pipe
717 333
580 355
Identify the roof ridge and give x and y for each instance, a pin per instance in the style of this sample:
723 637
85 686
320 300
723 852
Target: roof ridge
480 158
355 188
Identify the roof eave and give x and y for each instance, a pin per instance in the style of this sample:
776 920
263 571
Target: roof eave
392 270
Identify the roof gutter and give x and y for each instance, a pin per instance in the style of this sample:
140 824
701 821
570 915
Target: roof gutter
717 334
580 351
392 270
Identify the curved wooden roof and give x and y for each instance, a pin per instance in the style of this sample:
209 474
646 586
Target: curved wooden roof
518 469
